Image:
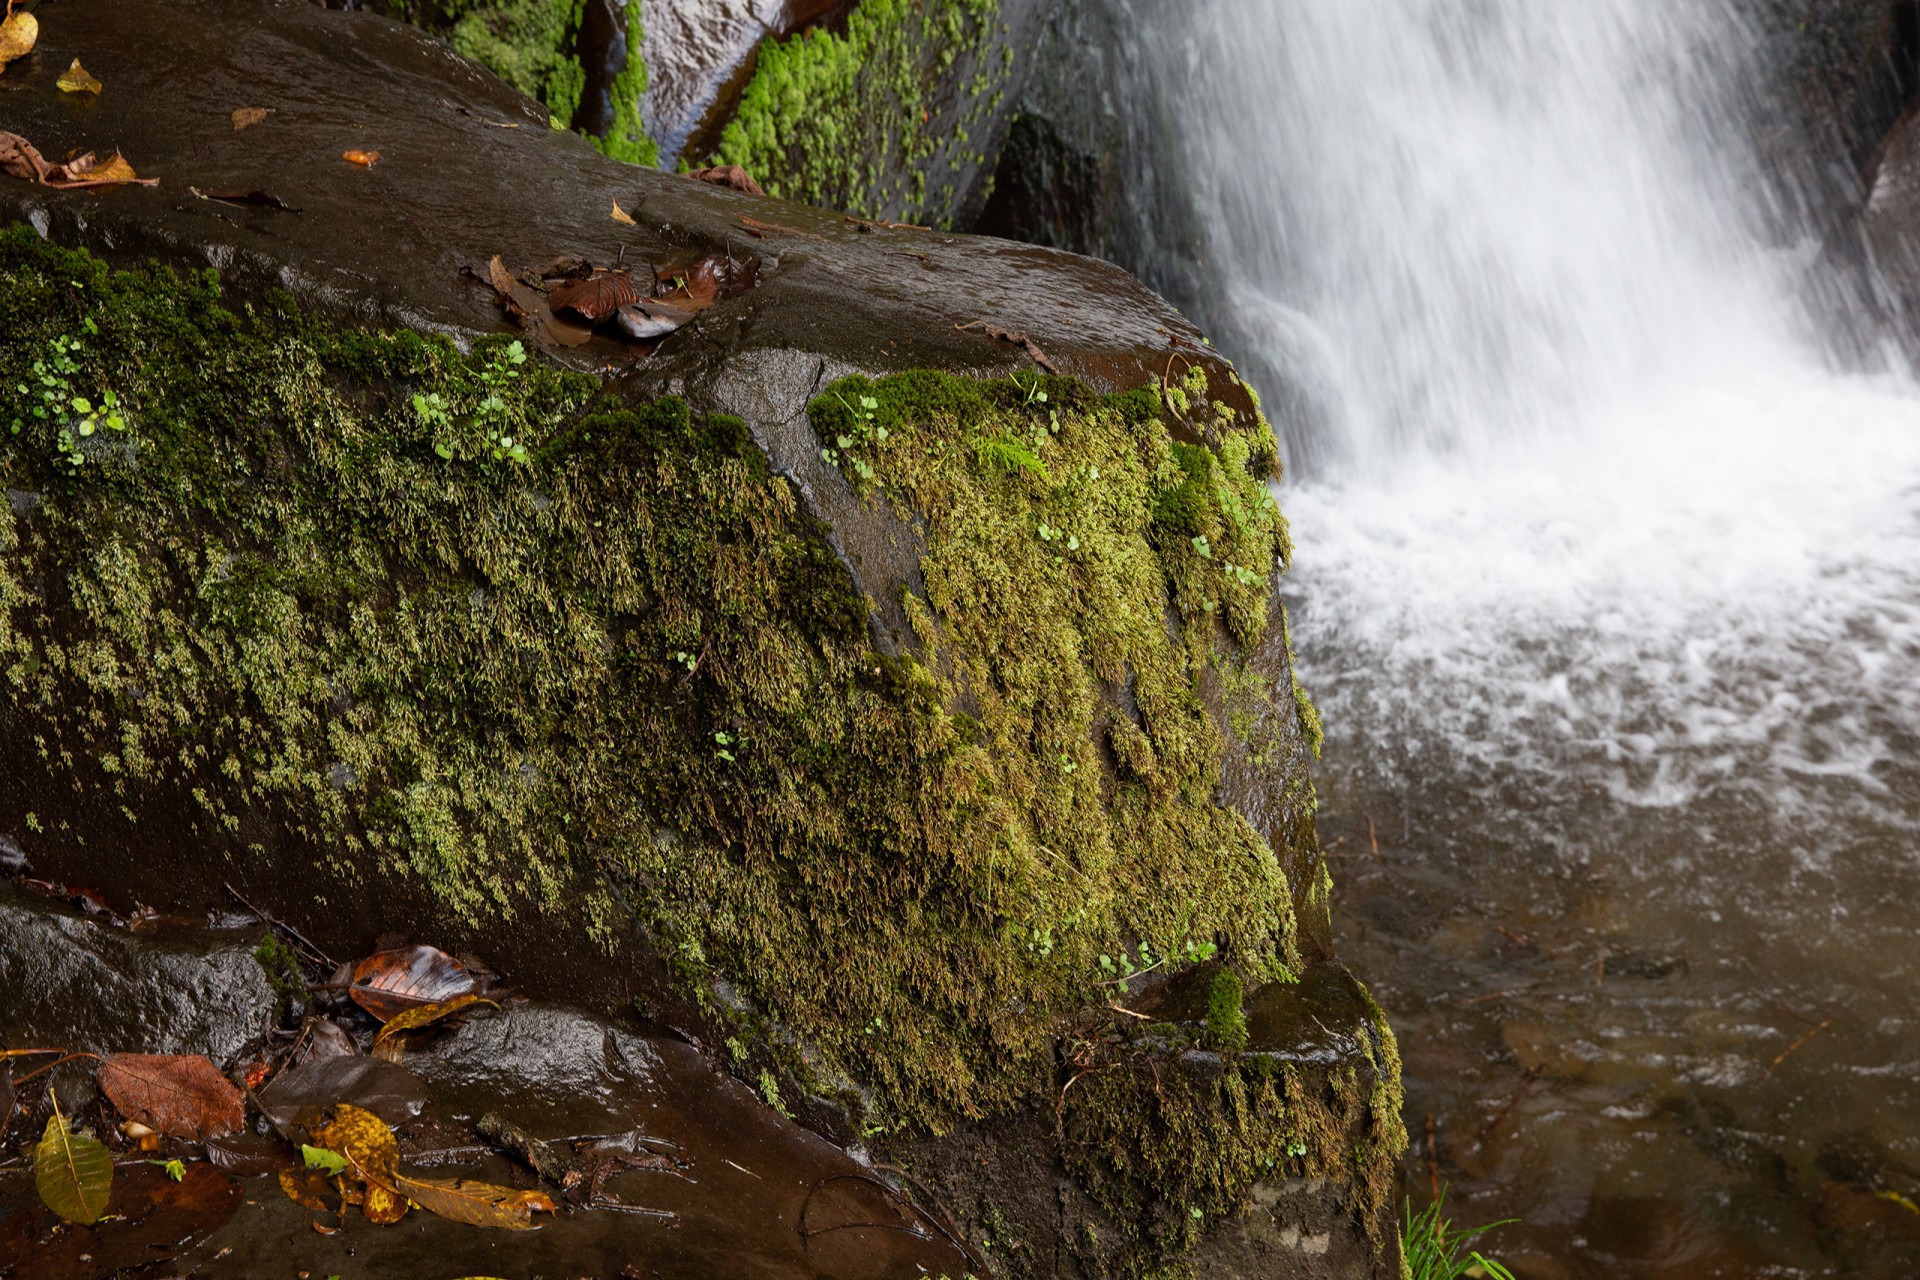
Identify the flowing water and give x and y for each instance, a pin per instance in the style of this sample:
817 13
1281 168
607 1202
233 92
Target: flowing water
1609 589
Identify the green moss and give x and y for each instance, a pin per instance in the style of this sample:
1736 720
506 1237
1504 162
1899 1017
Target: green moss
533 46
282 967
1168 1142
1226 1020
307 586
857 120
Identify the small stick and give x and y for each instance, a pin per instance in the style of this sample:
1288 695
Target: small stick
1130 1013
1495 995
1600 969
1433 1159
1512 1102
315 952
1520 938
545 1159
1373 838
1788 1051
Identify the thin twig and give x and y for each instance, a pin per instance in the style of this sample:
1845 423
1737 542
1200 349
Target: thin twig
315 953
1373 838
1789 1050
1433 1159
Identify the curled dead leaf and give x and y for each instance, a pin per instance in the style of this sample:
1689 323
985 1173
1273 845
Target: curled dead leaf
17 36
646 320
731 176
247 117
365 1141
75 79
598 297
22 159
529 308
365 159
621 215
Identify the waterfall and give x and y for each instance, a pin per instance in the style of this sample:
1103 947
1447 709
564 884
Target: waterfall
1574 469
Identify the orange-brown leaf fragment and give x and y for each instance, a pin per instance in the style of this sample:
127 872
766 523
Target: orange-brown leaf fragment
85 171
479 1204
731 176
308 1188
365 159
183 1095
247 117
620 215
75 79
17 36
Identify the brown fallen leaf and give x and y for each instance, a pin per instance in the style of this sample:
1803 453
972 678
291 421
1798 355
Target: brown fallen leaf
387 983
365 159
425 1015
597 297
731 176
247 117
75 79
1018 339
17 35
21 158
620 215
529 309
179 1094
479 1204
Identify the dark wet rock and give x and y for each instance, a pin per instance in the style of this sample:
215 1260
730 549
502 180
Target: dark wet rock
83 984
1893 209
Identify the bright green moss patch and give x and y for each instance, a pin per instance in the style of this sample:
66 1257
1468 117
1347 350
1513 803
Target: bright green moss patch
533 45
857 121
310 585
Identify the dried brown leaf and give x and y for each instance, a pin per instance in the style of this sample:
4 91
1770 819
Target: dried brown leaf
365 159
85 171
620 215
731 176
179 1094
21 158
247 117
596 298
426 1015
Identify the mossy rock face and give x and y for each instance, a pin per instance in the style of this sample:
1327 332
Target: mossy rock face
829 679
899 112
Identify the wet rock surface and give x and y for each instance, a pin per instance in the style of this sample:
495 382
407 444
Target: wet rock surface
748 1191
84 983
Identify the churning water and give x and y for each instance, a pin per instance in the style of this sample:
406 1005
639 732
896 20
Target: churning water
1608 585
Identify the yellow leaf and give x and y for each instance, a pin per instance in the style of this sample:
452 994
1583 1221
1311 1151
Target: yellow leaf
424 1015
76 80
247 117
73 1172
621 215
366 1142
479 1204
382 1206
17 35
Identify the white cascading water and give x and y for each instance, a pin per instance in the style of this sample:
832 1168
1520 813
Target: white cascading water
1572 470
1607 583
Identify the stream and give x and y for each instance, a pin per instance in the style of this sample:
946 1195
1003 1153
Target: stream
1607 496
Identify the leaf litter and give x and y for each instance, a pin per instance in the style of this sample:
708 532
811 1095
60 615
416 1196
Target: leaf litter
75 79
569 299
18 34
23 160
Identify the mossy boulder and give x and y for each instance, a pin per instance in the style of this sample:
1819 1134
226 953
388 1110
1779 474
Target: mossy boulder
830 681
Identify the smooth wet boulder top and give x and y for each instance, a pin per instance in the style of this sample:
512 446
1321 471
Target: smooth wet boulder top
469 169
